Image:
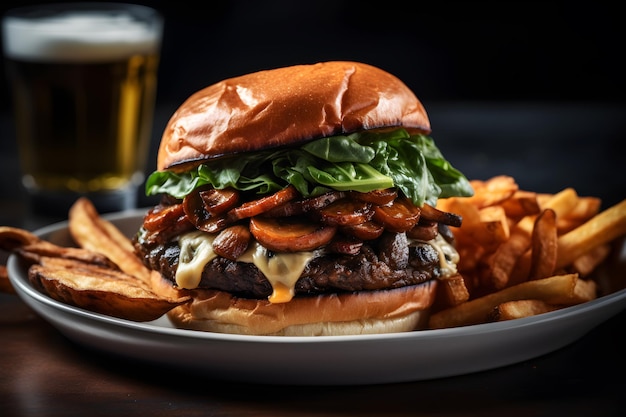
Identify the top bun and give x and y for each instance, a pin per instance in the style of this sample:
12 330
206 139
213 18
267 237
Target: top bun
284 106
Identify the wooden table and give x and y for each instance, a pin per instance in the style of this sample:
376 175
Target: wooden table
42 373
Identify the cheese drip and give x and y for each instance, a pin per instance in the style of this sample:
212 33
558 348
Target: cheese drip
282 270
196 250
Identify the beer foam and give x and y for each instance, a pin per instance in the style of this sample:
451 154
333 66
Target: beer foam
78 37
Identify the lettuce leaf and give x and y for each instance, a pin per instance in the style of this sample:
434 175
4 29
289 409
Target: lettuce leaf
363 161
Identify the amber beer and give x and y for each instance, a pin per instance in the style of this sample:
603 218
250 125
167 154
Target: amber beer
84 86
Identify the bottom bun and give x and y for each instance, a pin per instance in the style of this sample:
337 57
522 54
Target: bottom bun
368 312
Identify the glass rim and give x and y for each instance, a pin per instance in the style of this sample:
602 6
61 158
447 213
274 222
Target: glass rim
46 10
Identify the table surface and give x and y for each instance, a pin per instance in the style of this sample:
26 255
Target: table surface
45 374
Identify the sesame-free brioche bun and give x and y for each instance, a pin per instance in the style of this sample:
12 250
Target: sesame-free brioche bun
285 106
367 312
294 255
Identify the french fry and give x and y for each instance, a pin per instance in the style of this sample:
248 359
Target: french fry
451 291
503 261
488 227
585 208
521 308
585 290
93 232
583 240
548 235
544 246
558 289
492 191
503 271
470 254
522 203
469 212
587 263
494 224
600 229
562 203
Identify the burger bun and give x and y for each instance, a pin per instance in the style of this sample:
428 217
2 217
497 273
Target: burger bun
366 312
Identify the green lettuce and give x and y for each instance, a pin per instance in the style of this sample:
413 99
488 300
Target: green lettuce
363 161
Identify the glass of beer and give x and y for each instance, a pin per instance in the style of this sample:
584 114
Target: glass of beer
83 78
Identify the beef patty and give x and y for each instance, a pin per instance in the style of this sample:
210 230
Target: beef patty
387 262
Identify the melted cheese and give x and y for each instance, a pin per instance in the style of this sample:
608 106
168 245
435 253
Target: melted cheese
196 250
282 270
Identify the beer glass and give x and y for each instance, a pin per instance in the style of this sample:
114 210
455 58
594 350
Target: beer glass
83 78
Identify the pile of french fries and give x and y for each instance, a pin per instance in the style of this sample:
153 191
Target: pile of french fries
523 253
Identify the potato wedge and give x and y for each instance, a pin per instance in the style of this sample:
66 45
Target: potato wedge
90 231
5 284
101 290
43 249
13 237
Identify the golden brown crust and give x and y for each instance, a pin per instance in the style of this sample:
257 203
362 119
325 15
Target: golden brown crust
279 107
374 312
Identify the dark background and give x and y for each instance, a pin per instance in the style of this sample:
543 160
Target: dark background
443 50
529 89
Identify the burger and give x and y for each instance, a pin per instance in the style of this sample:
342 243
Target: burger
302 201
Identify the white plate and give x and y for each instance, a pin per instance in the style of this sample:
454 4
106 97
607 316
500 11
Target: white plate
324 360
